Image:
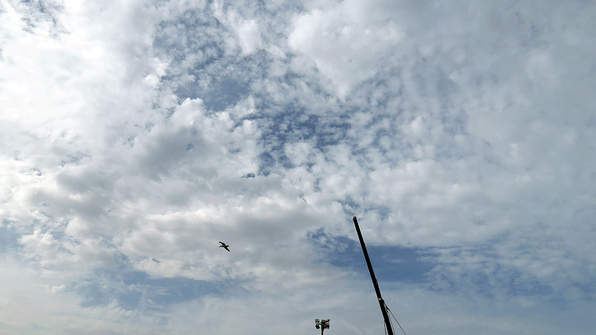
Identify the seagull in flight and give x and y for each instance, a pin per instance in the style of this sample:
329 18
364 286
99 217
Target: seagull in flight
225 246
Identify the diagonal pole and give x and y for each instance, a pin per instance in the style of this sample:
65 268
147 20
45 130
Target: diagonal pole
374 280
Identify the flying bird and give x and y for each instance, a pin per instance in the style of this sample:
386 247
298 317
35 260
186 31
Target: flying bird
225 246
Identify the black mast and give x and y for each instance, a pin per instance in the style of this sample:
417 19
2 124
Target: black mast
374 280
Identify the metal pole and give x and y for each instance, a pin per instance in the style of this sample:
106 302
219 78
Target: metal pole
374 279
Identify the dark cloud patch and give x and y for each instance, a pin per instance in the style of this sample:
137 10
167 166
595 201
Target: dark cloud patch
391 264
294 125
480 270
266 163
201 65
9 237
224 93
135 290
490 280
191 36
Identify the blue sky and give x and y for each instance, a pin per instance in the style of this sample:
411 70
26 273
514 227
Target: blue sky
135 135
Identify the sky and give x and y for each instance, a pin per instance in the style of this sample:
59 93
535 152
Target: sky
136 135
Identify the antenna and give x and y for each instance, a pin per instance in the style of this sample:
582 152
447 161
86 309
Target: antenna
323 324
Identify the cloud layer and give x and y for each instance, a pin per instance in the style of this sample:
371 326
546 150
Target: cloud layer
136 135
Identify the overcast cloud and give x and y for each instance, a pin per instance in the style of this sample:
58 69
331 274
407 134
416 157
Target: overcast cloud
135 135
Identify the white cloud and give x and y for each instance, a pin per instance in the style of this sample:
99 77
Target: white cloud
247 30
346 41
134 136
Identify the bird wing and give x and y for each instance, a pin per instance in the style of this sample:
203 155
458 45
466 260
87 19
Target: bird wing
222 244
226 247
